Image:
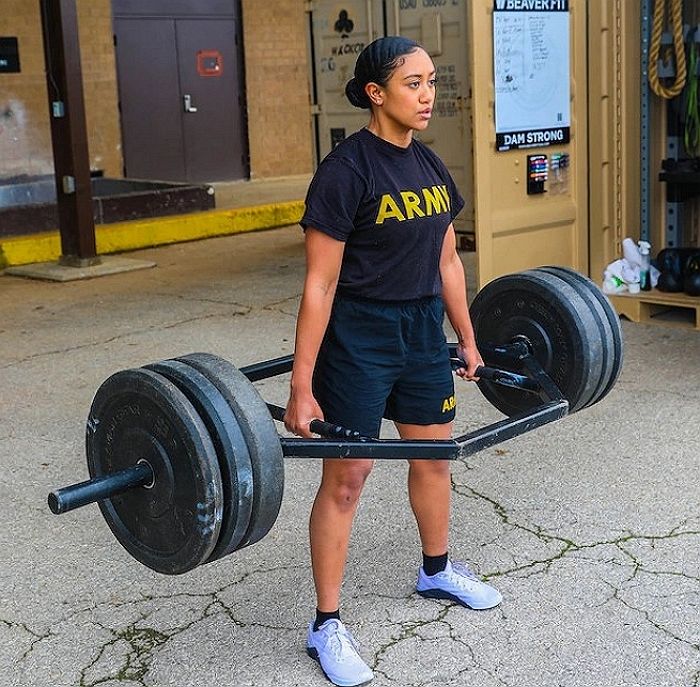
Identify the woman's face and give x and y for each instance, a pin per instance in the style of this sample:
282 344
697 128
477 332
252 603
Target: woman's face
409 93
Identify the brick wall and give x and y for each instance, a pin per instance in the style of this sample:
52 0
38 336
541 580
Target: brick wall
100 85
279 120
25 137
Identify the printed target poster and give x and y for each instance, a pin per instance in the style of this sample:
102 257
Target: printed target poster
531 73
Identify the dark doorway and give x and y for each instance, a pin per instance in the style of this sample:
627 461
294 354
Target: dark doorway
181 91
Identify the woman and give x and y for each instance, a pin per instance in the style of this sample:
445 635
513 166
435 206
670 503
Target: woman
382 269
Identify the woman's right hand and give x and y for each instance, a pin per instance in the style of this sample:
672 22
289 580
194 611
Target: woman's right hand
302 408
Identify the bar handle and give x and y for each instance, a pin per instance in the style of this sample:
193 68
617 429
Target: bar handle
331 431
325 429
100 488
502 377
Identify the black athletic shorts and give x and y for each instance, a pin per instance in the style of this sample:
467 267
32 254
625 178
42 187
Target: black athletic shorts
385 359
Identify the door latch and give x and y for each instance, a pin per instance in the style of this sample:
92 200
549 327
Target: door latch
189 107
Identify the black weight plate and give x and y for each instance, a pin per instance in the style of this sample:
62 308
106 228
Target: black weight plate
173 525
261 436
600 333
613 320
231 449
601 318
555 321
591 345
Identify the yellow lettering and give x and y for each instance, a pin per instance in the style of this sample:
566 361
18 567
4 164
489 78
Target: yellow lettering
449 404
387 209
411 203
434 201
445 195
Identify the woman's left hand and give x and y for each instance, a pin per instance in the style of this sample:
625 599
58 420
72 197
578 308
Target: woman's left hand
471 356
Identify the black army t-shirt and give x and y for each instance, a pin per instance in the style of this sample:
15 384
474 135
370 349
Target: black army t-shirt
391 206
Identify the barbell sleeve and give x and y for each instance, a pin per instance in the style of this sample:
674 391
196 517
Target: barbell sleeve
100 488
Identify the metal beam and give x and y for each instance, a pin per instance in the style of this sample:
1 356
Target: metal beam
68 132
645 123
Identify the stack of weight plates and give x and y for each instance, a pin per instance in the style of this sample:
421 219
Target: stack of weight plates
569 324
214 450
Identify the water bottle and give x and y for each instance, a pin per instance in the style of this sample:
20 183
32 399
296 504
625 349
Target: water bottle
645 270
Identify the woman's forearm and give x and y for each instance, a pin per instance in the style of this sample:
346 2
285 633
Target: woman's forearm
314 314
323 260
454 292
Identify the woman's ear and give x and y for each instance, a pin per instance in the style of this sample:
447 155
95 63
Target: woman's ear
374 93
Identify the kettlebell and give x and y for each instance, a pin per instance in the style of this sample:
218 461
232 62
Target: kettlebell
691 275
670 264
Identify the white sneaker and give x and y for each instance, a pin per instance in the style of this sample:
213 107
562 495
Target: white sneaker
457 583
335 649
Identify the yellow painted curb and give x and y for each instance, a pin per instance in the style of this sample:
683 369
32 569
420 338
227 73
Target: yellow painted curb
146 233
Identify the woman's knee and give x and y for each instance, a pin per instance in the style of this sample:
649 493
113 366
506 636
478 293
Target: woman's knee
430 468
344 483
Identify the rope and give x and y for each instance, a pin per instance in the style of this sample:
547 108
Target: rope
678 48
692 112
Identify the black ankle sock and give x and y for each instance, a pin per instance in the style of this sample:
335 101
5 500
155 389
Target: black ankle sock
322 616
434 564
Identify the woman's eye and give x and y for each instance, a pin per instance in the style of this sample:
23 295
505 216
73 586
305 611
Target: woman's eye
432 82
414 84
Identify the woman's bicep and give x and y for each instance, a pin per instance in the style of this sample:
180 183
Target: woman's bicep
448 255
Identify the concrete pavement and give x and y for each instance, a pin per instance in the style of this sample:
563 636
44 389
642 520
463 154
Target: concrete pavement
590 527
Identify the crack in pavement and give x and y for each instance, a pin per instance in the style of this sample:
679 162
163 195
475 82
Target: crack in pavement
137 644
282 301
407 630
538 532
410 629
137 662
140 643
639 567
37 636
650 620
279 307
200 299
136 332
569 546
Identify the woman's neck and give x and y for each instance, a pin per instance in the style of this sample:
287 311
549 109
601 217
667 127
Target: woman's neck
390 131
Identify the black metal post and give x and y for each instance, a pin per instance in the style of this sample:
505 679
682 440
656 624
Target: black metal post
68 132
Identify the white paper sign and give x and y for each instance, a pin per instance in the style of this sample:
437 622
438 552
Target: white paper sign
531 73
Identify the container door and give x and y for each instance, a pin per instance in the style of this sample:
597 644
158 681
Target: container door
149 93
440 26
211 100
517 229
339 32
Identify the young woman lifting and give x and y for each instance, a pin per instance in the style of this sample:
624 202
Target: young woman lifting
381 271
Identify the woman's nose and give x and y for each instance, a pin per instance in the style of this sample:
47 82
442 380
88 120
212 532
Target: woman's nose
427 94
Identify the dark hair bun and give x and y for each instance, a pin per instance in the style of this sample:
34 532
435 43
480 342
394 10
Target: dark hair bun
356 95
375 64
